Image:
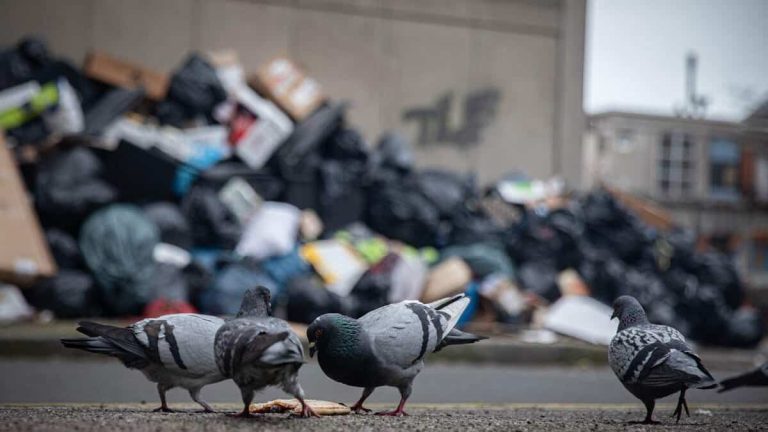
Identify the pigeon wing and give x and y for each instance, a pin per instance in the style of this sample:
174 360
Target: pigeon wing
180 342
655 356
403 333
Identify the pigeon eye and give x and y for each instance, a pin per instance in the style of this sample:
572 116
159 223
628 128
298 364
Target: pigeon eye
318 333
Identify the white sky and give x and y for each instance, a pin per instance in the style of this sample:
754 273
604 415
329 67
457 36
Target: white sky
635 57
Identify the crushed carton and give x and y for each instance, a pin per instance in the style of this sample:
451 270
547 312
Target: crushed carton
288 86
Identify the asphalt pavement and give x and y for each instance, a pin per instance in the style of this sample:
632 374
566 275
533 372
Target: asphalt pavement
104 380
463 418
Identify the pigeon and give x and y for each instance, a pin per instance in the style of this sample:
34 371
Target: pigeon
257 350
171 350
653 361
386 347
753 378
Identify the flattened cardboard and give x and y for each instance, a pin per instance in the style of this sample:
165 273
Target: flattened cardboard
111 70
288 86
24 253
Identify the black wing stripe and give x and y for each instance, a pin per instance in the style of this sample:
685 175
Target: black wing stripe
152 330
645 359
419 311
435 318
173 344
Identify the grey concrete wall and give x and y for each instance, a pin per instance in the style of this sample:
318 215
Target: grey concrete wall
520 59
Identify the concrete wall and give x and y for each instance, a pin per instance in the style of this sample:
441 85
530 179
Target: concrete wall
519 60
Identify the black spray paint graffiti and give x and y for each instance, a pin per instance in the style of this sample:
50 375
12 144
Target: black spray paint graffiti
434 122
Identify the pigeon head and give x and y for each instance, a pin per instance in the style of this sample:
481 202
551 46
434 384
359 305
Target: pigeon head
256 303
629 312
332 331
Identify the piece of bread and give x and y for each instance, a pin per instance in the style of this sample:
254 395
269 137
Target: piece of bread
292 405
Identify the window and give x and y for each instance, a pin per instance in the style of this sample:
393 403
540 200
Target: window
675 171
724 162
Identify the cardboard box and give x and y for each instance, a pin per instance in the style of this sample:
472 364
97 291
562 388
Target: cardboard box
287 85
103 67
24 254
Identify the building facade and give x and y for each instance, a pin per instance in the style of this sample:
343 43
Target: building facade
478 85
712 176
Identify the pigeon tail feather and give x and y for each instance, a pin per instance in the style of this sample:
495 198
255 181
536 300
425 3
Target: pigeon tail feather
458 337
453 307
99 345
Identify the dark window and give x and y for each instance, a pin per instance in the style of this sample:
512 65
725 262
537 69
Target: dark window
676 167
724 163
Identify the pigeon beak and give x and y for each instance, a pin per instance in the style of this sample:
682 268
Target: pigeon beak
614 315
312 349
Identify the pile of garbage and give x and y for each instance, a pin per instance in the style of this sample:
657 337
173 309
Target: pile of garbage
161 194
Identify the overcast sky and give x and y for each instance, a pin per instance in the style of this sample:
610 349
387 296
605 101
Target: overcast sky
636 54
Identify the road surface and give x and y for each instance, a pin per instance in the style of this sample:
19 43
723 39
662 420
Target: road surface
84 380
433 418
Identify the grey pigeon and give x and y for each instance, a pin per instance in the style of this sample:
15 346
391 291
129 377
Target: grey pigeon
653 361
754 378
172 350
386 347
257 350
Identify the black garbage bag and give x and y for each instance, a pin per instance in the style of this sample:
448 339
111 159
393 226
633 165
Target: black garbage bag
650 291
372 290
608 225
470 226
229 286
158 172
109 107
681 244
69 188
399 212
199 280
717 269
33 131
18 64
307 138
306 299
745 329
540 278
446 190
604 274
484 259
342 193
173 225
212 223
118 244
705 311
532 240
196 88
346 144
169 283
392 154
69 294
171 113
64 249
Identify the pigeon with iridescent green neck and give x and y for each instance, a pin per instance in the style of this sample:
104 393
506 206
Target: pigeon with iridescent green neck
386 347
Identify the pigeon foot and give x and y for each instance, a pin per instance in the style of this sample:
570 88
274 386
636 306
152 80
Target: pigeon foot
164 409
357 409
307 411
